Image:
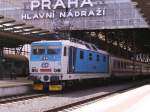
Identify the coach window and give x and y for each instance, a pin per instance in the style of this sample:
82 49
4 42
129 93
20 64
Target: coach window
115 64
121 64
90 56
81 54
125 65
128 65
97 58
118 64
65 51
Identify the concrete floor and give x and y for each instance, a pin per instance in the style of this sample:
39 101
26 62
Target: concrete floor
136 100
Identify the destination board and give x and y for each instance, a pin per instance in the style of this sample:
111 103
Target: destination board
75 14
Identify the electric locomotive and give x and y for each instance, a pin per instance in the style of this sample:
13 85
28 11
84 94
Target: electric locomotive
54 64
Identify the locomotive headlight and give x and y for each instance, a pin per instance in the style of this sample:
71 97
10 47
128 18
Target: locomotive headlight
46 78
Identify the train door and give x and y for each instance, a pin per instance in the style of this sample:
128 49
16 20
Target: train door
64 61
72 57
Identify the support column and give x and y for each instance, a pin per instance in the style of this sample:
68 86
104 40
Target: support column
1 51
1 62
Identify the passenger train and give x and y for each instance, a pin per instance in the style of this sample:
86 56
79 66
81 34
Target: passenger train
17 65
53 64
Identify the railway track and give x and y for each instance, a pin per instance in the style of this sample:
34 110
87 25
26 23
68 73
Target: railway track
16 98
57 102
73 106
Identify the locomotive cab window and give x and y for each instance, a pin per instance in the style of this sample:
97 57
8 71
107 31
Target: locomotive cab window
38 50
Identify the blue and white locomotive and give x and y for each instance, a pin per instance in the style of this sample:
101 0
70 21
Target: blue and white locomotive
55 63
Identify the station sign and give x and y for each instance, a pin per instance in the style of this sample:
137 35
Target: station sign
50 9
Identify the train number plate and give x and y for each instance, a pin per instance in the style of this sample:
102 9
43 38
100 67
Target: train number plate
38 86
55 87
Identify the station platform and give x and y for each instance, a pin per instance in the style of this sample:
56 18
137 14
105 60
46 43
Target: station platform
136 100
16 86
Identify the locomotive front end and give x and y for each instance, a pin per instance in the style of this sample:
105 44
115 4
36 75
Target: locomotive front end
46 65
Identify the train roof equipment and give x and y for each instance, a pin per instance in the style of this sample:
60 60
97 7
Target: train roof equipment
75 43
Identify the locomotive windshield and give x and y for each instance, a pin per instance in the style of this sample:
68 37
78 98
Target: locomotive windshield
50 51
53 50
38 50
